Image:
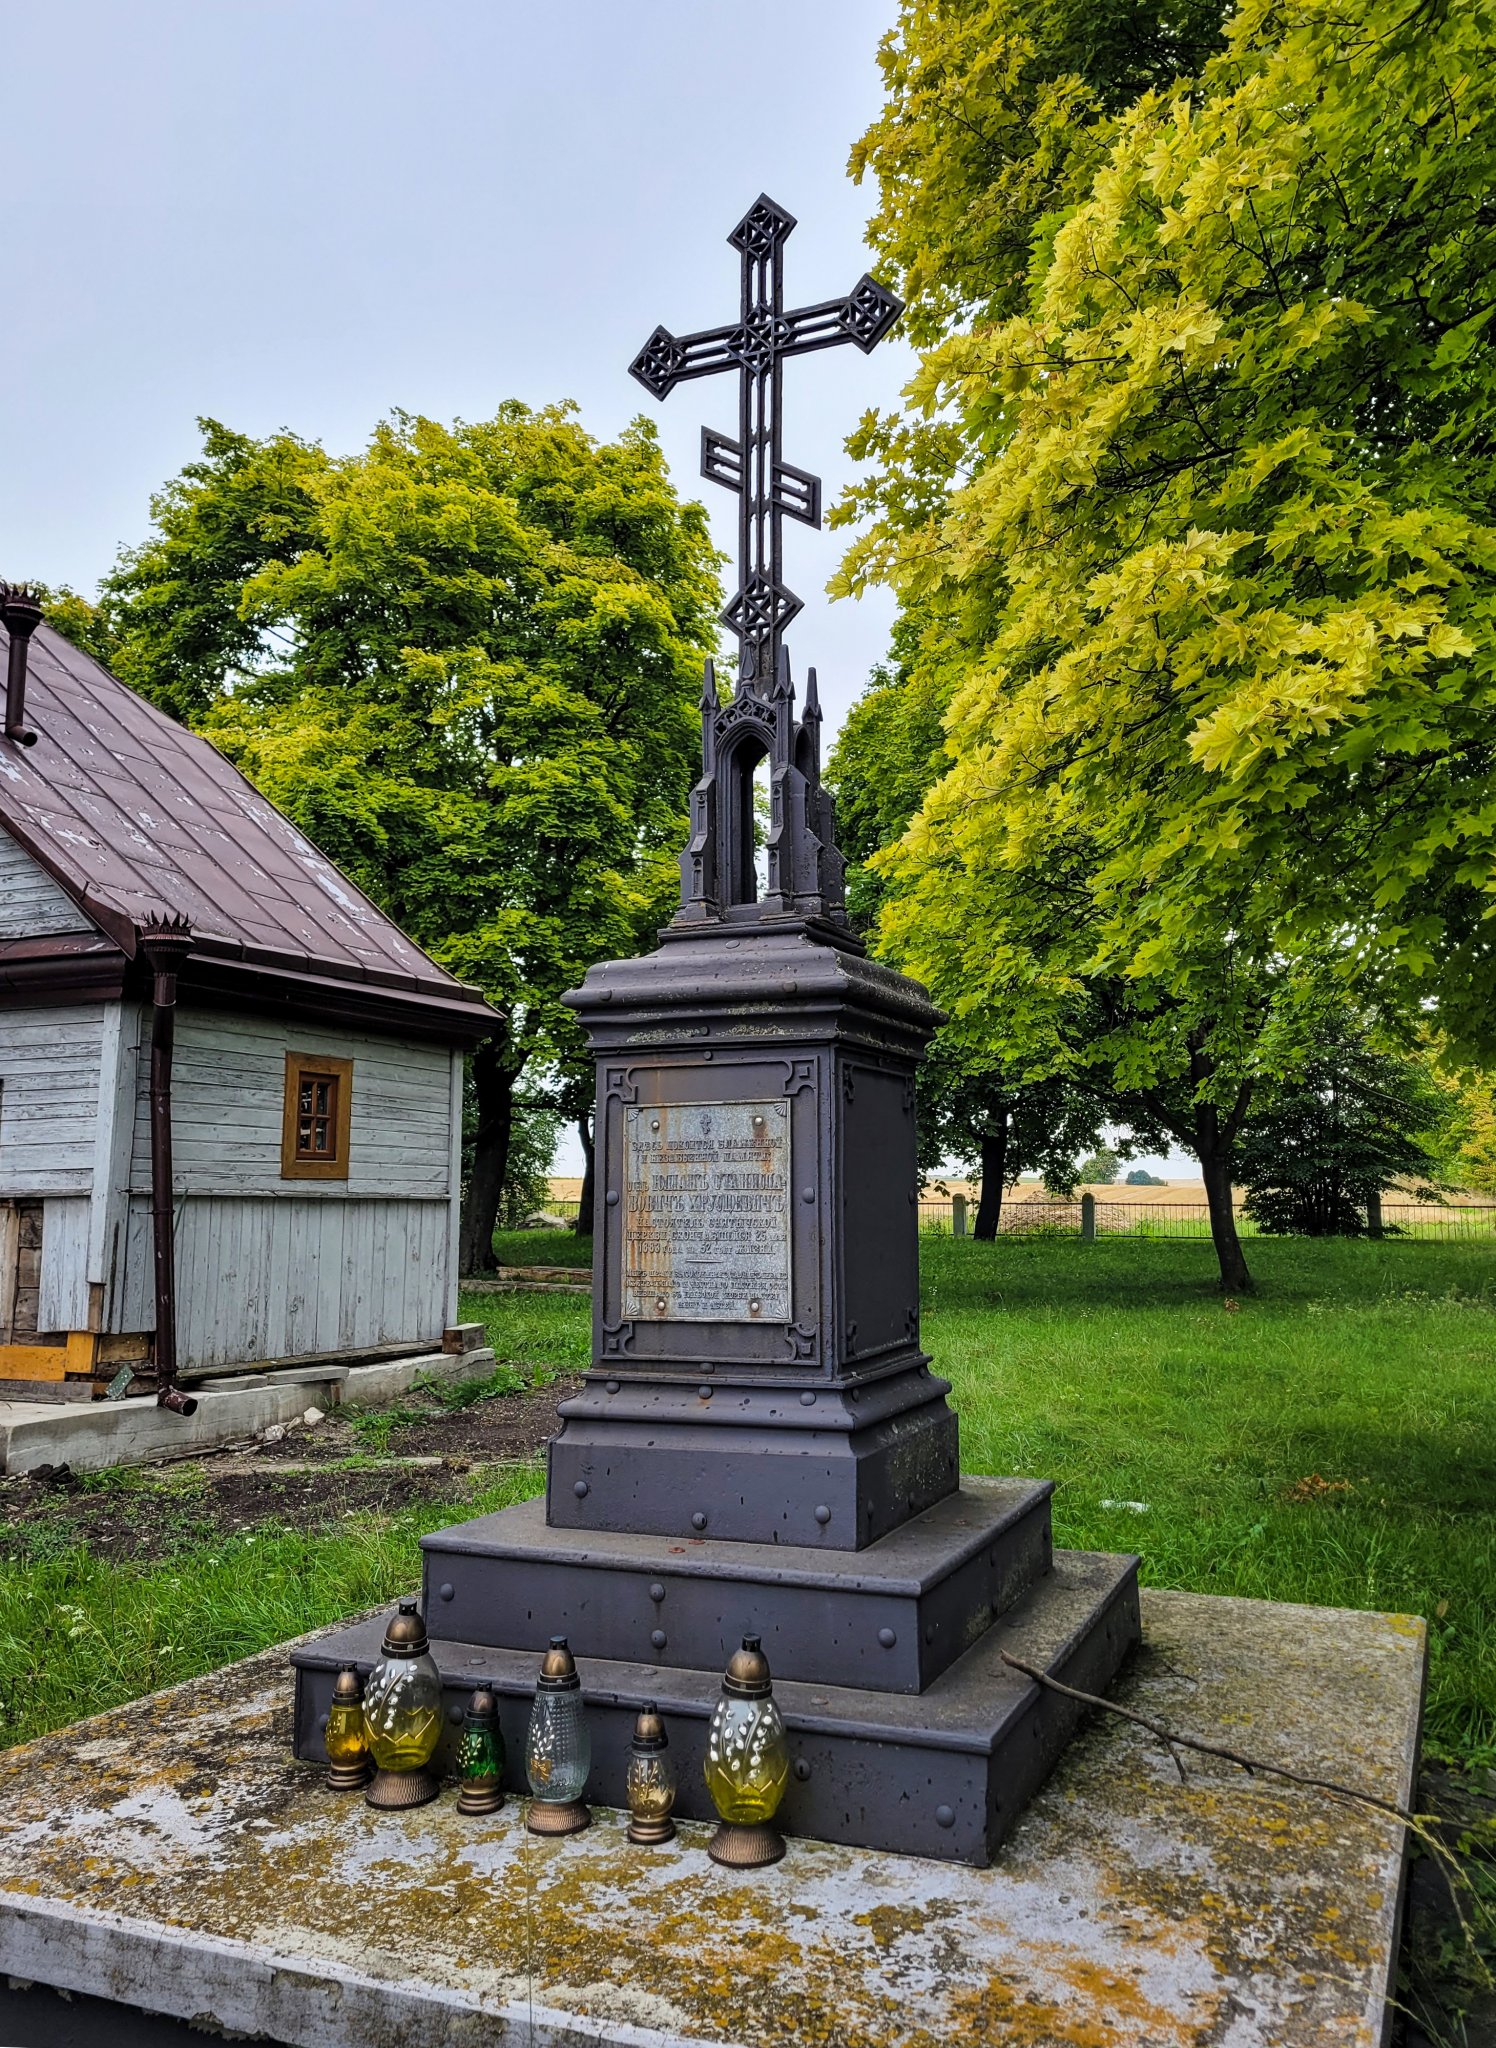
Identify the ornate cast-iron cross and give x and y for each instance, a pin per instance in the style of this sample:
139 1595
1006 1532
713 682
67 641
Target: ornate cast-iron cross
768 487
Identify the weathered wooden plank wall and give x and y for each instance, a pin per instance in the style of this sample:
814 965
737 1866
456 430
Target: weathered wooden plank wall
31 904
259 1279
266 1268
63 1304
228 1099
49 1096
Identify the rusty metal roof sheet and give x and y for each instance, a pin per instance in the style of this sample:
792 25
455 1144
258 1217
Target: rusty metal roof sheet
137 817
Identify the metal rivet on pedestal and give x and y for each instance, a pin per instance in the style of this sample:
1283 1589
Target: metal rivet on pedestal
823 1515
657 1591
658 1638
659 1301
581 1489
614 1385
887 1638
698 1520
322 1724
612 1198
705 1393
454 1715
706 1055
807 1400
758 1123
446 1592
945 1816
802 1769
929 1631
807 1194
754 1307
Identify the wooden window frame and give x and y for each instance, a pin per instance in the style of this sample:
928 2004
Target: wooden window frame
299 1065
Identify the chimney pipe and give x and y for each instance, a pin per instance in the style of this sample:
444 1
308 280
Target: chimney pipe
22 614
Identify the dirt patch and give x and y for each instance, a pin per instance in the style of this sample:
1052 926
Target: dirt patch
146 1514
502 1426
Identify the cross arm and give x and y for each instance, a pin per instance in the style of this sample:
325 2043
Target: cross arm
668 359
864 316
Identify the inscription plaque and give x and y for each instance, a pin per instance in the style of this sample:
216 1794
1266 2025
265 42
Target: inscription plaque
706 1212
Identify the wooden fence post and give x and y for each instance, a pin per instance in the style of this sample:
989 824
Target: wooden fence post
958 1215
1374 1215
1088 1219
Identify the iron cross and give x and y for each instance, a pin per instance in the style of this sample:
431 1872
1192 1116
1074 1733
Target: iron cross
755 345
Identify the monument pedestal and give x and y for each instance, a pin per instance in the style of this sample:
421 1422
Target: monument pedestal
907 1730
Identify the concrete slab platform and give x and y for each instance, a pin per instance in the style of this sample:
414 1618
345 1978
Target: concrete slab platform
172 1856
95 1436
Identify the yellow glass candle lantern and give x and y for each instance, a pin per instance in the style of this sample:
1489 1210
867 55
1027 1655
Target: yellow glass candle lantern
651 1780
347 1744
747 1763
558 1751
403 1714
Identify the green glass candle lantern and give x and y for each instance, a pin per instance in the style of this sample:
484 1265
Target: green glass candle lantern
347 1744
558 1752
480 1756
651 1780
403 1714
747 1763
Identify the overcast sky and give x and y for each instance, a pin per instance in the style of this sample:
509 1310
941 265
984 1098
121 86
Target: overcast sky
302 213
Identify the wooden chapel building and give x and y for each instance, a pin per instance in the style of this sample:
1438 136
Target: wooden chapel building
314 1115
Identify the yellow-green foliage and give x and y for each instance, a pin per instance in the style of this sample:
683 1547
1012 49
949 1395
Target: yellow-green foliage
1213 596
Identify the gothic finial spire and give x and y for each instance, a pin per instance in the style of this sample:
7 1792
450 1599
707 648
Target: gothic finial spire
709 687
812 699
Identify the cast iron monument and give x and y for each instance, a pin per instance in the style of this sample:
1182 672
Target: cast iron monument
761 1445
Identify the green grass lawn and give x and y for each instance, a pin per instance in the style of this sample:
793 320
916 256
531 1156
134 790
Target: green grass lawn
1332 1440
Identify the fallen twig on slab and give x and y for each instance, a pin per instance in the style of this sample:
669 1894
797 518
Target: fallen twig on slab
1417 1824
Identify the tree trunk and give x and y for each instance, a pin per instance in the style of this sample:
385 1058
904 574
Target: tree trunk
584 1225
1214 1155
493 1084
994 1165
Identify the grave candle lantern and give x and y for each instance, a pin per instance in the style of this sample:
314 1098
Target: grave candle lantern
558 1752
403 1714
747 1763
480 1756
345 1738
651 1780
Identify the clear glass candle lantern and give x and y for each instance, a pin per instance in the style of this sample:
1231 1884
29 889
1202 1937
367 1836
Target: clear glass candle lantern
480 1756
348 1765
747 1762
558 1753
403 1714
651 1780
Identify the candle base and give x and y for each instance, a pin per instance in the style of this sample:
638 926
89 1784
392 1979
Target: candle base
557 1817
652 1830
481 1796
349 1777
741 1846
402 1788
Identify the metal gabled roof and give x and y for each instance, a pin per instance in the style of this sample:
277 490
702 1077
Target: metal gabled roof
138 818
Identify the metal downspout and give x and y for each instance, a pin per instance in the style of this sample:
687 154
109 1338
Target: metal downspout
166 945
